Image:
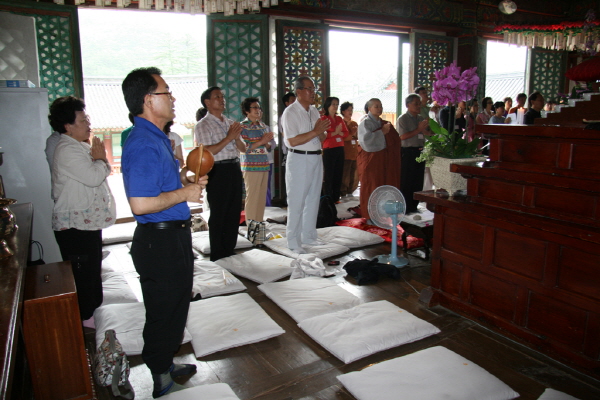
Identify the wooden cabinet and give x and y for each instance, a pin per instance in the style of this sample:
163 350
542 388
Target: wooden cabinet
53 334
520 252
12 273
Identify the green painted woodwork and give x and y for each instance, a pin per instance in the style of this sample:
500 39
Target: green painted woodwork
547 72
58 46
481 67
302 50
239 61
430 53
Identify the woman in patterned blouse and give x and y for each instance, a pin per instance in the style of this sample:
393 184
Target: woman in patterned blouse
83 202
255 161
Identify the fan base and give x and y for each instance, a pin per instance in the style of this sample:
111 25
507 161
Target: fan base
390 259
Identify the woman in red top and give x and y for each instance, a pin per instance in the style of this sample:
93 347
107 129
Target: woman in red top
333 149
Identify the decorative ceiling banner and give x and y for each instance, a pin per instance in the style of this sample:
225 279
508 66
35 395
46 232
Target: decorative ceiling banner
582 36
302 50
431 53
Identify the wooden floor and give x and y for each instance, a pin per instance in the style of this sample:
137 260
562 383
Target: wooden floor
293 366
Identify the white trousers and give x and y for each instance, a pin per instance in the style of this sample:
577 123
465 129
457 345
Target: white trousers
303 180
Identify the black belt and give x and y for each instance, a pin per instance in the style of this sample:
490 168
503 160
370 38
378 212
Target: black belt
230 161
168 225
416 148
305 152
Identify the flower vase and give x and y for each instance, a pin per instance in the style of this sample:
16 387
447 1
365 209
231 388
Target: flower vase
450 181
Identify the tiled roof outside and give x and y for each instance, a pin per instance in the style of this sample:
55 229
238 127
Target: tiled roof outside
387 97
107 110
499 86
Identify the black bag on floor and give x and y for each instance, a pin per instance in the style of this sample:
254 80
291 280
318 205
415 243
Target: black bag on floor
327 212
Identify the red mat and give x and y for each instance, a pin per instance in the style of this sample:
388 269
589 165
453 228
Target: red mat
361 223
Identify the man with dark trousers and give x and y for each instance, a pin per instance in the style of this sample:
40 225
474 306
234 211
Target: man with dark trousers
412 129
221 136
162 244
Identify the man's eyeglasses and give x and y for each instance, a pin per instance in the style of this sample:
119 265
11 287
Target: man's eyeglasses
170 94
257 108
310 89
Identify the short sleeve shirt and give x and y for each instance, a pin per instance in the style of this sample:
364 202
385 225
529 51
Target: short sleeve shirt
149 169
211 130
407 123
296 120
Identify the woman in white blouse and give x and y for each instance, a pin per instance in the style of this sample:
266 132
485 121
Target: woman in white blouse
83 202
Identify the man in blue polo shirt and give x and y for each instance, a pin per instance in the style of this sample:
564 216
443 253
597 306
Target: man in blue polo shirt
162 246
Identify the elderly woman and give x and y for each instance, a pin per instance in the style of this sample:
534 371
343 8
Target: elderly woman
484 116
255 161
378 158
83 203
333 149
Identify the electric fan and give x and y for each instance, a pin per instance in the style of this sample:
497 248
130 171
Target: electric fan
386 209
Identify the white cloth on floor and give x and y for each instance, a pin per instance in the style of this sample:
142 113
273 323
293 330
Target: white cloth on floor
303 268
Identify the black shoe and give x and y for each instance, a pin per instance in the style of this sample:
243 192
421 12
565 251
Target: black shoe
182 369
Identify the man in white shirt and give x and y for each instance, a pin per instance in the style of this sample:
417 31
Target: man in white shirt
221 136
303 133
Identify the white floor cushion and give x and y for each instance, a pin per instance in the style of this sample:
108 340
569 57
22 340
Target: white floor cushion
431 374
258 265
128 321
215 391
118 233
308 297
366 329
347 236
116 290
210 279
223 322
343 206
551 394
320 251
119 260
276 214
201 242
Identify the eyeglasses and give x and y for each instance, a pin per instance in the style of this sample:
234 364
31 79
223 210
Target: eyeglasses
170 94
257 108
310 89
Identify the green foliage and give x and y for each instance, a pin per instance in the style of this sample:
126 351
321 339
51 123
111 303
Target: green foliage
446 145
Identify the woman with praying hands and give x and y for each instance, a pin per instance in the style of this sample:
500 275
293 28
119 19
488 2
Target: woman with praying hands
255 165
83 202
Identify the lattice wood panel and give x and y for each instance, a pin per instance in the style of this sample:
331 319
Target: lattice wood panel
431 53
547 72
55 55
304 53
239 62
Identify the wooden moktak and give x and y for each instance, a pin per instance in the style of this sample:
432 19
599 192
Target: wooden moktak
200 162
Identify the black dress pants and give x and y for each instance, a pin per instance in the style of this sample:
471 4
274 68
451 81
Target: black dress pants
224 194
165 262
412 176
84 250
333 171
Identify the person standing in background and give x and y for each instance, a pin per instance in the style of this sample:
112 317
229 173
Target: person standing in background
221 136
254 161
412 129
304 131
333 149
350 175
